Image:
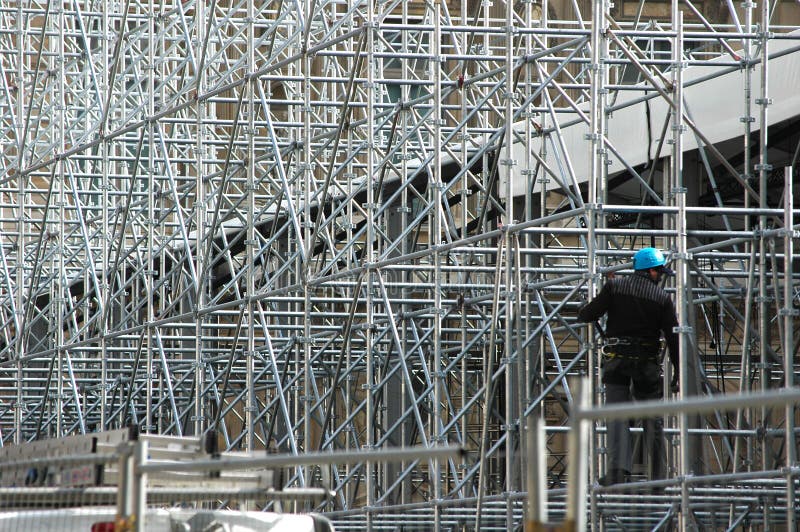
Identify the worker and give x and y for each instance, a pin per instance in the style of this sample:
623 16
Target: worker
639 312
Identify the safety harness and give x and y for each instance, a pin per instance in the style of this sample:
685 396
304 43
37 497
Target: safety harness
631 348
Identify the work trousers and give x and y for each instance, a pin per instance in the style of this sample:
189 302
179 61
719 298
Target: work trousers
628 379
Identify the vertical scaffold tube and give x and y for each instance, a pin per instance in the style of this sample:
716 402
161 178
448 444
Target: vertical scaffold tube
436 238
510 414
682 296
745 416
594 214
789 314
150 223
105 239
368 258
203 276
762 169
61 293
578 465
19 271
251 243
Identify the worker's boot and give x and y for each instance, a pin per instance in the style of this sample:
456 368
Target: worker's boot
615 476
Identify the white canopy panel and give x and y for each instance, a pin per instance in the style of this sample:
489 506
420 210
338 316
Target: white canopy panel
713 101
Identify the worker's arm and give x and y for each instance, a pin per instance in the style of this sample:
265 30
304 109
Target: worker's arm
598 306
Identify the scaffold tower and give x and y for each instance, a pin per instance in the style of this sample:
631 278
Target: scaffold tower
329 225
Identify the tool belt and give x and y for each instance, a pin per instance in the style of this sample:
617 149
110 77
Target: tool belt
631 348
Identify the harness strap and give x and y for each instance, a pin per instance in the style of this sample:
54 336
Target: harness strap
632 341
632 348
635 358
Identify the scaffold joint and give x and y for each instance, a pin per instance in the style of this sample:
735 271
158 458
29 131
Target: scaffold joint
527 288
310 340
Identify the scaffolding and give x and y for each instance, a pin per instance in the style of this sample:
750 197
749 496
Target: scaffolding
330 225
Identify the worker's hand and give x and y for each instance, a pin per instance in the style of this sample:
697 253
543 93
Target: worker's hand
674 386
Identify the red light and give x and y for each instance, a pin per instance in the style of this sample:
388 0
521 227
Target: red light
106 526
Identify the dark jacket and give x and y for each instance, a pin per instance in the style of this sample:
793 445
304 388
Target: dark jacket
637 307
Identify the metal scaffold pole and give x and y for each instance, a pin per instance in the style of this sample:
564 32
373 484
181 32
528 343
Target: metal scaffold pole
329 226
678 192
788 344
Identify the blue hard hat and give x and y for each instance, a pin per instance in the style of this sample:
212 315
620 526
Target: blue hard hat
647 258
